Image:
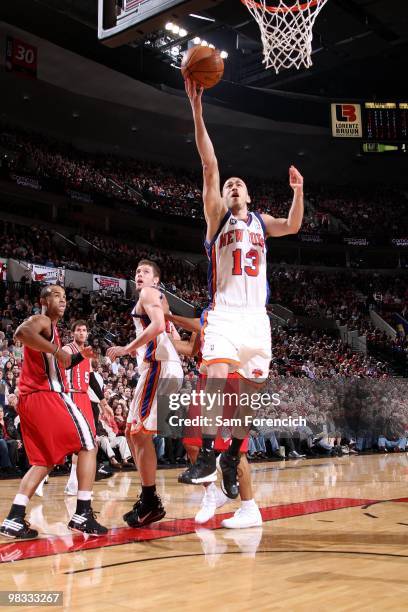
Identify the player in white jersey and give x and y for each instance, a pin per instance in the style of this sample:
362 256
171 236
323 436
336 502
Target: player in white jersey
160 373
236 333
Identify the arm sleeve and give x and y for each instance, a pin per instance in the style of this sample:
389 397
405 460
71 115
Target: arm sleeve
75 359
94 385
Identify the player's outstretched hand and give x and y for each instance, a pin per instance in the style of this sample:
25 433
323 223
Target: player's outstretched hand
195 94
116 351
106 410
64 358
87 353
295 178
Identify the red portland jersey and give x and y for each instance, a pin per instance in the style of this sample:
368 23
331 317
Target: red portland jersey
41 371
78 376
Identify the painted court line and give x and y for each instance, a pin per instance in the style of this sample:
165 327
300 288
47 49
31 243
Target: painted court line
56 545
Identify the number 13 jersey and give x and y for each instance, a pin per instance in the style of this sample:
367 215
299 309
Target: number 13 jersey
237 264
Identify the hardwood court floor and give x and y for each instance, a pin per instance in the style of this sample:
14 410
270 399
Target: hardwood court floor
335 536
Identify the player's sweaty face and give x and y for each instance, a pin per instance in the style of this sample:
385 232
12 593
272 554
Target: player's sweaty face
144 277
235 192
80 334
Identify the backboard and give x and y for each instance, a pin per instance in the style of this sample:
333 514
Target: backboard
121 21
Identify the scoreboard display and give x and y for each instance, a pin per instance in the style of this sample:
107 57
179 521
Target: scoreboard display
385 121
21 57
386 147
381 126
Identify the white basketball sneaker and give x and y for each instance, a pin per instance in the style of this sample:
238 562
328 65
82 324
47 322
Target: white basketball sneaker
246 516
213 498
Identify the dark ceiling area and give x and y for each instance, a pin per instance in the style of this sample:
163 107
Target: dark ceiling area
360 53
360 46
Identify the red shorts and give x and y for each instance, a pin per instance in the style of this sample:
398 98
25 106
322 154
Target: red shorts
193 437
84 404
53 427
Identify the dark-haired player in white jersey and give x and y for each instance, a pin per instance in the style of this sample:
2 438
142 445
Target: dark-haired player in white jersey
236 334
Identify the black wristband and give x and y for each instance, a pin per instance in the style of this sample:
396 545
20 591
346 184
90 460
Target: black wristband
75 359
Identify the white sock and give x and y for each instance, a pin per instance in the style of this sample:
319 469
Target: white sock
73 470
84 495
248 504
21 500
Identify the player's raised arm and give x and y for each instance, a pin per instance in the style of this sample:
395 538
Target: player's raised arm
214 207
31 333
150 301
293 223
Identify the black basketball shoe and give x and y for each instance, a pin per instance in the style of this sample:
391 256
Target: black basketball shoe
144 513
18 528
85 522
203 470
228 466
103 472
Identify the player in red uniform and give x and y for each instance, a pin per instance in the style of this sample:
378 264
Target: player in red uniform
80 379
248 515
51 424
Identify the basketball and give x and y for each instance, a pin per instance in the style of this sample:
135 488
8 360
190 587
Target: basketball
203 65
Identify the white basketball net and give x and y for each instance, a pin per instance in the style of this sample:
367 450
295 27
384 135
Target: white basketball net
286 30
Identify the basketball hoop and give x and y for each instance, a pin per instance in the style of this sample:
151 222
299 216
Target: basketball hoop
286 30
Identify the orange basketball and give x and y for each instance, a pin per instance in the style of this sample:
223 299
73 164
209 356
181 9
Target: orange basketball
203 65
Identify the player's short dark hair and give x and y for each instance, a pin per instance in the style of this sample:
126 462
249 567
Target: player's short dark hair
46 291
78 323
152 264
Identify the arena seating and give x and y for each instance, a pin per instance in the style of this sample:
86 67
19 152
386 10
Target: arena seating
175 191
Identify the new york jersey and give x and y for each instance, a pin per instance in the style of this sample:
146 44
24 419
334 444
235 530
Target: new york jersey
158 349
237 264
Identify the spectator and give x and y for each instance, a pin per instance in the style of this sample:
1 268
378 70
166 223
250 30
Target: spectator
8 451
108 438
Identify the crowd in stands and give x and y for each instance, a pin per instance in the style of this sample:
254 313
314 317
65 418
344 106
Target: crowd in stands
105 255
364 210
300 359
344 296
319 356
342 417
175 191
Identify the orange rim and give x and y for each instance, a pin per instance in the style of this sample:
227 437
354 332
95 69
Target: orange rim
280 9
